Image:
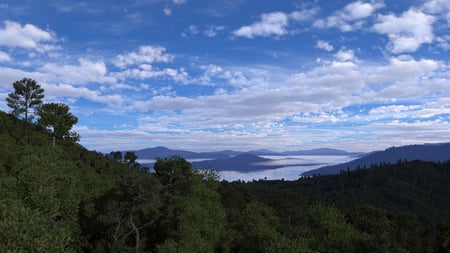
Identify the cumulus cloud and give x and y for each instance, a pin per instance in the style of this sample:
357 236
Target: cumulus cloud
351 17
406 32
145 55
27 36
324 45
273 24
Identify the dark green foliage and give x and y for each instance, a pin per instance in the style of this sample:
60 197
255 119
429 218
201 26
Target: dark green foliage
125 212
68 199
172 169
58 117
193 219
115 155
387 208
23 229
329 231
27 95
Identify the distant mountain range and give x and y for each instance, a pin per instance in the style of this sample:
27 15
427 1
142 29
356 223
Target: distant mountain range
236 160
252 160
163 152
243 163
425 152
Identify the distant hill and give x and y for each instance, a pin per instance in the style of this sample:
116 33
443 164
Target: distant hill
425 152
323 151
163 152
243 163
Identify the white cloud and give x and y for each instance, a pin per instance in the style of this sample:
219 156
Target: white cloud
345 55
10 75
321 117
167 11
147 72
443 42
27 36
212 31
317 95
190 31
351 17
145 54
210 71
400 70
403 133
271 24
393 111
303 15
87 71
328 87
436 6
4 57
324 45
69 91
406 32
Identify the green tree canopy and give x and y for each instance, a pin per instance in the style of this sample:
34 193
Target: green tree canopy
27 95
171 169
58 117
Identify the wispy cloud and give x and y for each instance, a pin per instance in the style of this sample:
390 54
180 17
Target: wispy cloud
212 30
179 1
4 57
324 45
86 71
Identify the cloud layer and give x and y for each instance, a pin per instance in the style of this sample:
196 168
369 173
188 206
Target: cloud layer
358 75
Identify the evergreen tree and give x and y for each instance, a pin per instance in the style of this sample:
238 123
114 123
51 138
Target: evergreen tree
27 95
58 117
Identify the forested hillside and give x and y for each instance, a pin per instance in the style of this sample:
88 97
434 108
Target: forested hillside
60 197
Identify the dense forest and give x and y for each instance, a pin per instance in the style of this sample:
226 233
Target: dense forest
64 198
56 196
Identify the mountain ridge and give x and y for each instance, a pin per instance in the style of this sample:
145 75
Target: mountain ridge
435 152
246 162
163 152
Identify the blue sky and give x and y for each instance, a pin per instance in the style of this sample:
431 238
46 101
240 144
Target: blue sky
237 74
